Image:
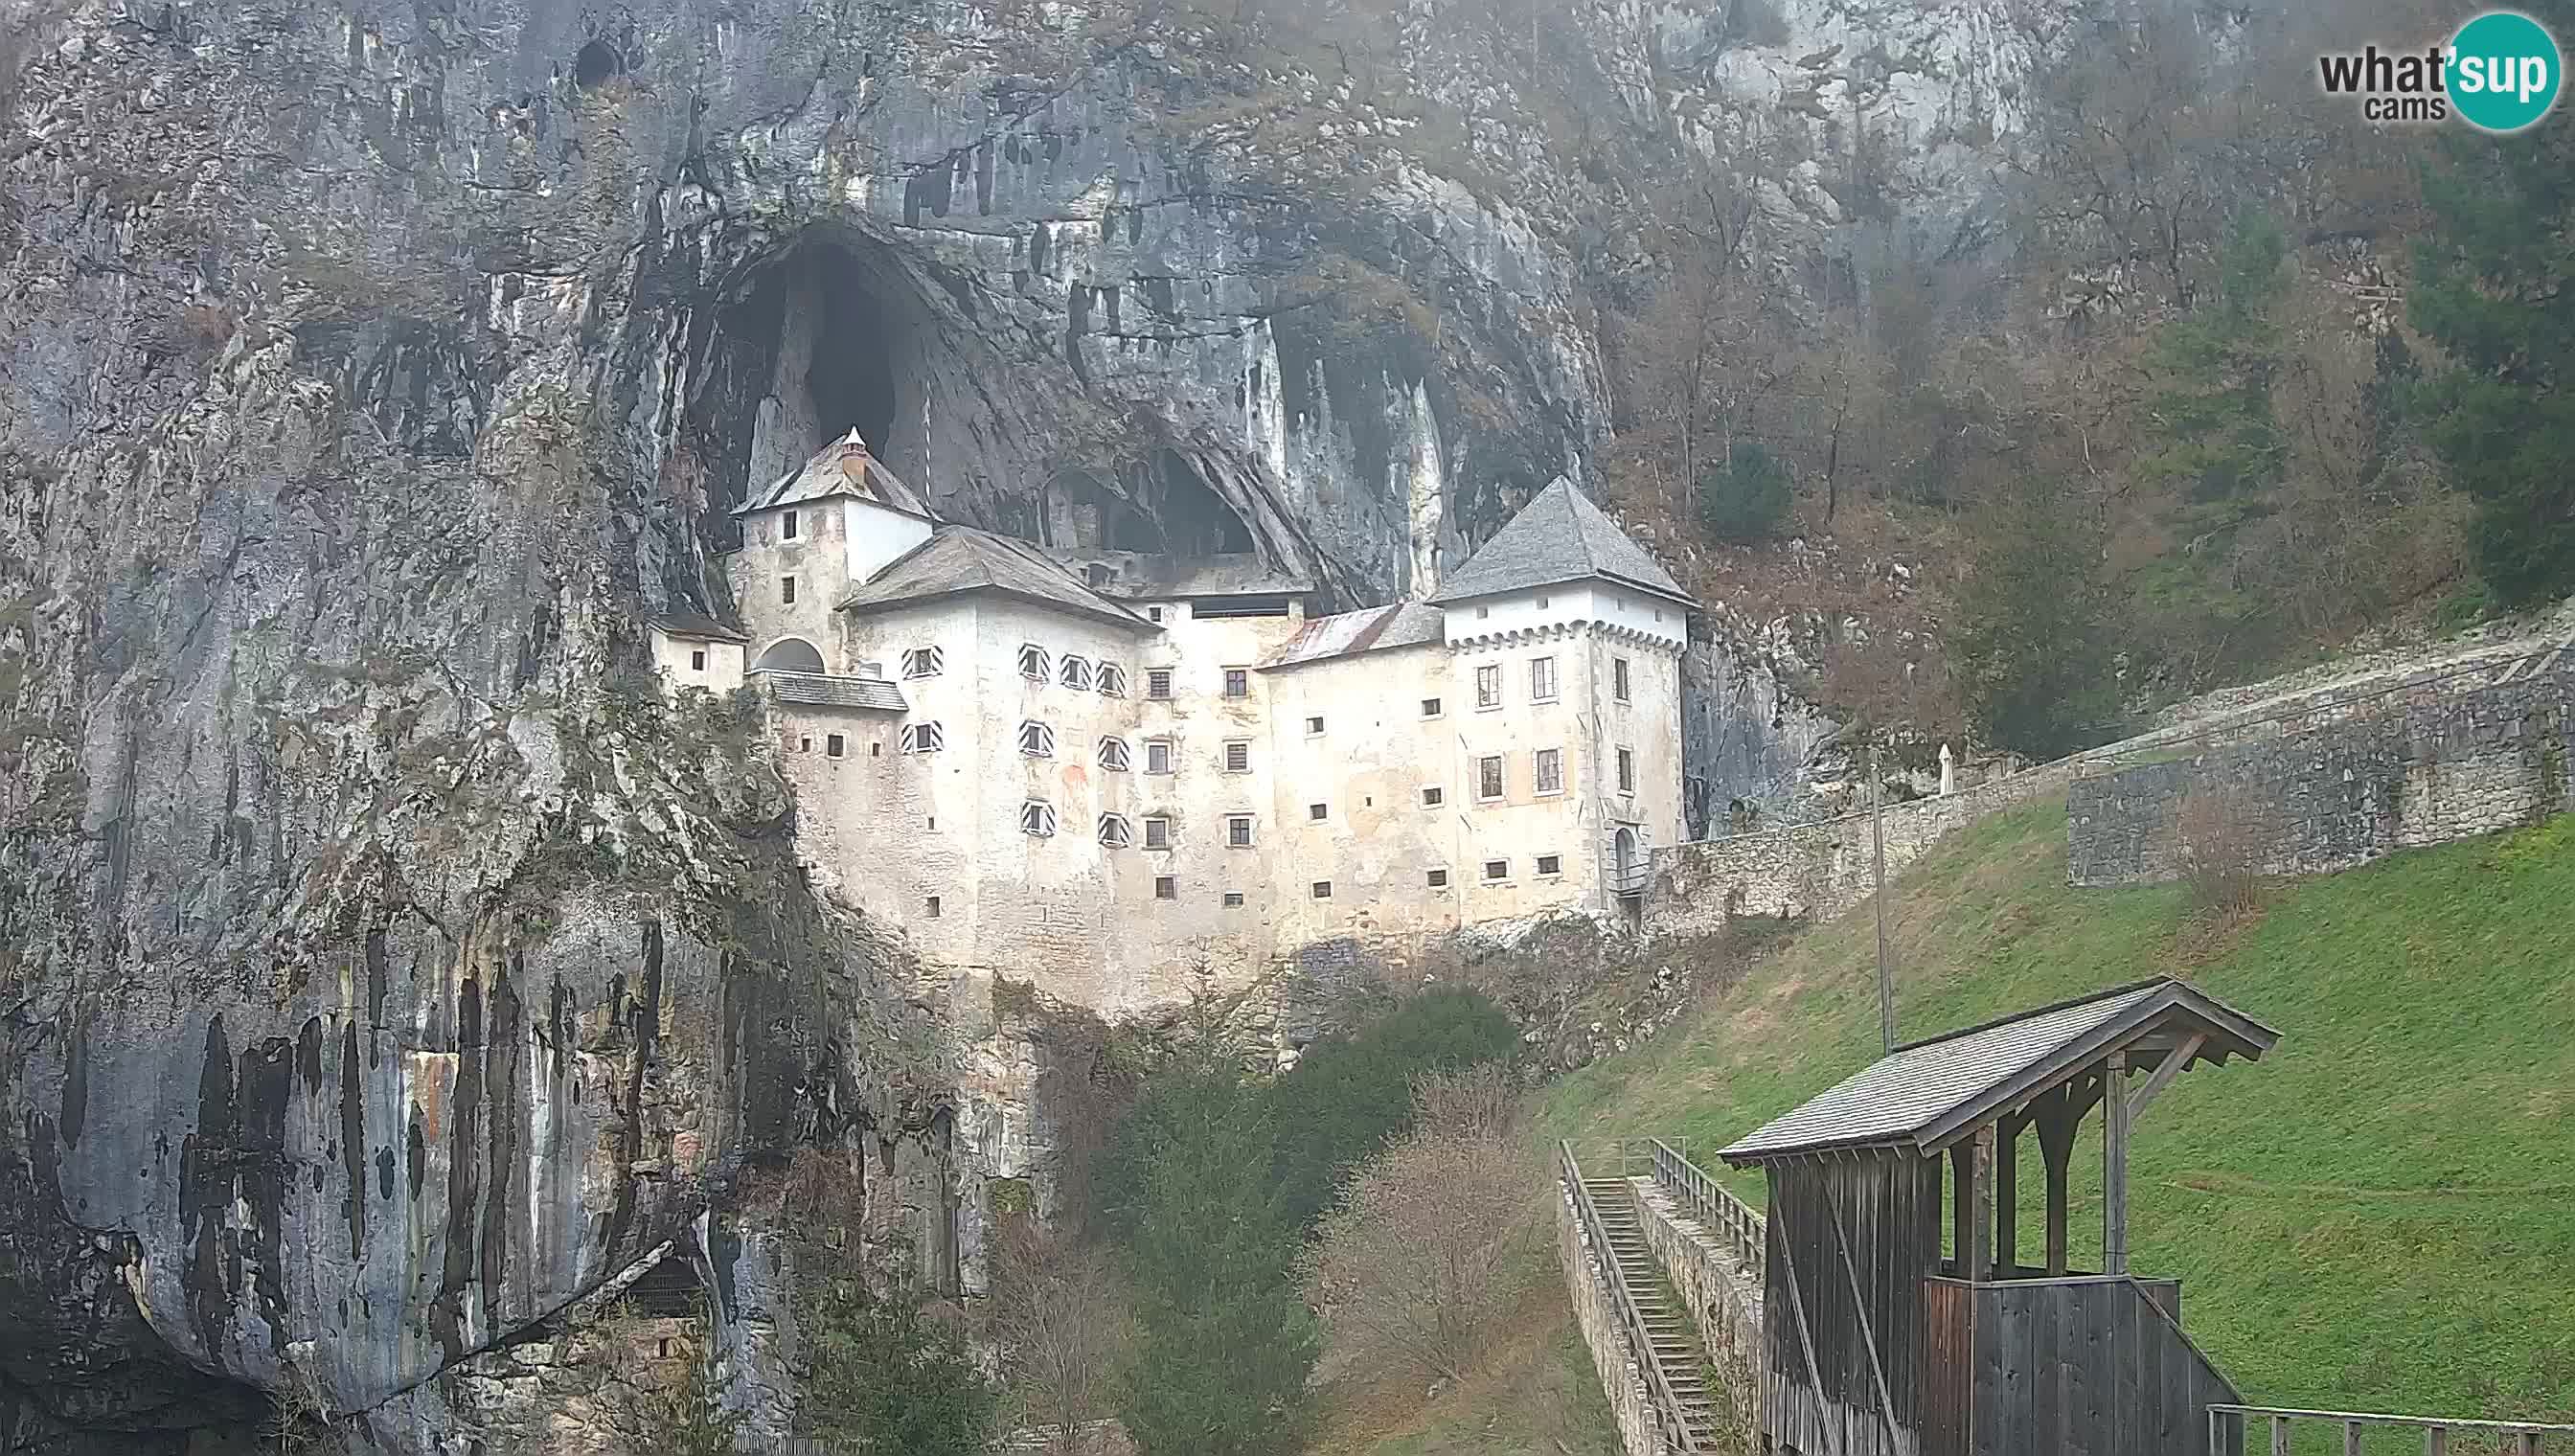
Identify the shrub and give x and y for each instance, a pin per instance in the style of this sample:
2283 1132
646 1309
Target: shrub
2220 849
2031 640
1746 497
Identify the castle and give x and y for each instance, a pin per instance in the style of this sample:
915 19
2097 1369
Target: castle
1108 772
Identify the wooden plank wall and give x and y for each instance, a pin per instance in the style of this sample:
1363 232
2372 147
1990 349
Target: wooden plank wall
2077 1368
1850 1240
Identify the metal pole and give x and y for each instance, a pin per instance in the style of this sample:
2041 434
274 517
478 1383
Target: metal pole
1877 845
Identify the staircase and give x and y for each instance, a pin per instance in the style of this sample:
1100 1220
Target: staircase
1676 1349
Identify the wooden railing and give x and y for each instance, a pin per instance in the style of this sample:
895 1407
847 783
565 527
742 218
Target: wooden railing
1670 1414
2229 1424
1712 1205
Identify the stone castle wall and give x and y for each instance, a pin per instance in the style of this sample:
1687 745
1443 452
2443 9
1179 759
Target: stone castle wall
2433 764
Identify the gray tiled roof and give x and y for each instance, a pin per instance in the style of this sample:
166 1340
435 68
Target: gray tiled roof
823 689
958 558
680 623
1921 1093
1558 537
1405 624
842 468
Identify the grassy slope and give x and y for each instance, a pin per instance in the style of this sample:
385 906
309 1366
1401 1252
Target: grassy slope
1536 1394
2380 1215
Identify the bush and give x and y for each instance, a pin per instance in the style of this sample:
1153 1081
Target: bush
2031 640
887 1378
2219 849
1745 499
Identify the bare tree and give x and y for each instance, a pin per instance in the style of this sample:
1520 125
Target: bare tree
1428 1250
1060 1320
2219 847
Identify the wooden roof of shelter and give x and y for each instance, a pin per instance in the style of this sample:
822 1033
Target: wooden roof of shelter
1929 1094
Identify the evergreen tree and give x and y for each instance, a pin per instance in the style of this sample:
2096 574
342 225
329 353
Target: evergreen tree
2495 287
883 1377
2214 368
1746 497
2030 644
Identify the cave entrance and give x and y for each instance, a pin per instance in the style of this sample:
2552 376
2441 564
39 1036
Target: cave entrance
840 339
850 383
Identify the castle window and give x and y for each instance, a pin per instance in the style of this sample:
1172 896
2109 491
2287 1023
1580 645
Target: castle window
1037 740
1550 866
1430 708
1483 612
834 746
1314 727
1113 681
1234 899
1315 811
1497 869
1322 889
1489 777
932 912
1166 887
787 590
1077 673
1158 683
1437 879
1542 679
1158 833
1113 833
696 662
1488 685
1619 679
1034 664
1037 818
1238 755
1112 755
792 530
924 738
1238 830
804 743
1430 797
1626 771
1157 755
1542 601
924 662
1238 682
1153 613
1549 766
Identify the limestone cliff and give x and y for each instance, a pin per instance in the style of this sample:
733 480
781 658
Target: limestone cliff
382 968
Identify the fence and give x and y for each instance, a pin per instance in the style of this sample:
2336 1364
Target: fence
1670 1416
2229 1424
1714 1206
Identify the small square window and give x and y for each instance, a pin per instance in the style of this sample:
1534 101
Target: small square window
1238 757
1113 681
1430 708
1551 866
1483 612
696 662
1314 727
804 743
787 590
1034 663
1153 613
1497 869
1431 797
792 525
924 662
934 907
876 748
924 738
1237 831
1157 755
1542 601
1626 771
1315 811
834 746
1036 818
1234 899
1238 682
1166 886
1438 879
1158 833
1157 681
1322 889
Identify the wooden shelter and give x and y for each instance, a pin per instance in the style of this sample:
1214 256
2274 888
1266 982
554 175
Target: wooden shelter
1880 1343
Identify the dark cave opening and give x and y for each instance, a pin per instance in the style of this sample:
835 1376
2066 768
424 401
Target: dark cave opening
595 63
1182 515
851 379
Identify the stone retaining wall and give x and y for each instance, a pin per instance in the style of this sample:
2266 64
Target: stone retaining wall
2433 765
1822 868
1595 1310
1721 1293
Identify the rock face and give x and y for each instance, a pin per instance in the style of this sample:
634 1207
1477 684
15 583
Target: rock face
382 969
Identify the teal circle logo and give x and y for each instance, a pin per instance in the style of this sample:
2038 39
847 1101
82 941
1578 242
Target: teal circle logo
2503 72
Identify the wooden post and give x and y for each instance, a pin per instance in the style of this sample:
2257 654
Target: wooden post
2056 1150
2279 1436
2352 1438
1963 1207
2114 1164
2007 1198
2436 1441
1984 1210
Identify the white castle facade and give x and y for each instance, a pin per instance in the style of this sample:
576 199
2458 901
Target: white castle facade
1110 773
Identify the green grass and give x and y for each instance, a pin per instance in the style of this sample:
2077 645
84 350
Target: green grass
2379 1215
1536 1395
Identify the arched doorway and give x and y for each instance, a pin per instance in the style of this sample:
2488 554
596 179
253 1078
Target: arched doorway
788 654
1628 875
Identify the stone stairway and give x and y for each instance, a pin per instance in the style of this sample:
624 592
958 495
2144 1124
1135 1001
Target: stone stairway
1677 1353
